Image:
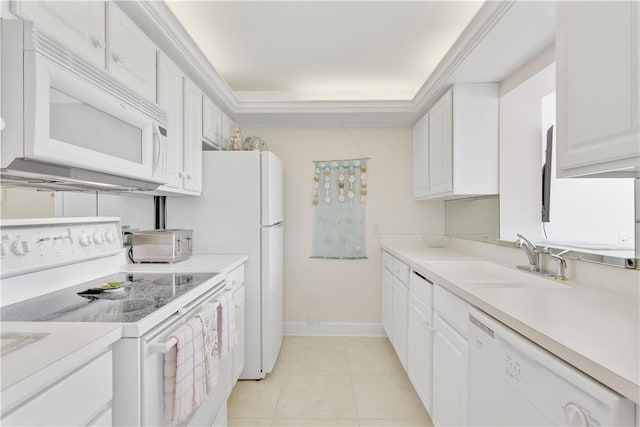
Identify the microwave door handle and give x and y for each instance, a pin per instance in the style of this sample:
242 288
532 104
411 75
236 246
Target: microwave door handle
156 146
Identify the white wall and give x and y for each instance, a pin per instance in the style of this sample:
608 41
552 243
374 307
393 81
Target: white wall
337 291
521 156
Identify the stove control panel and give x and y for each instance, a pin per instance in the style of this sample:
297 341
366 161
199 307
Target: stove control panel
37 244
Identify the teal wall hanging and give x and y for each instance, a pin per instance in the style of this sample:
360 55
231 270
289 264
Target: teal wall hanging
339 195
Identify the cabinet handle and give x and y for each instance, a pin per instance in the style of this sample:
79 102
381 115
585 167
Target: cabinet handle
188 177
180 174
117 58
97 42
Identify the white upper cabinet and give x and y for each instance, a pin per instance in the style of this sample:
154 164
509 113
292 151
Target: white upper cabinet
441 146
226 125
462 141
170 99
192 154
598 88
78 24
132 55
211 121
420 140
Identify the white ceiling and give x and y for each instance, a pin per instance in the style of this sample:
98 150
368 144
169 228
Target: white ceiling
324 50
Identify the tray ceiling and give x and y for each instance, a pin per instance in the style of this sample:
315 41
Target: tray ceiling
324 50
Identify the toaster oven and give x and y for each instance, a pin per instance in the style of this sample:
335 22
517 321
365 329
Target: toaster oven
162 246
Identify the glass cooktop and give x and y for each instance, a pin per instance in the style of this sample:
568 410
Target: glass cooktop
132 297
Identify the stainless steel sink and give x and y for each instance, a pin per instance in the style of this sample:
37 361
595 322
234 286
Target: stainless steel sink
490 274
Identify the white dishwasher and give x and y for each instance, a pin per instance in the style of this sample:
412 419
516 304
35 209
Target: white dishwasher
514 382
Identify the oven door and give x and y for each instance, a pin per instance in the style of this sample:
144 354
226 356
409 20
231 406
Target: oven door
152 378
69 121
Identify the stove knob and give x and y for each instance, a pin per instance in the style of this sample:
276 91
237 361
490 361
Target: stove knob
21 247
85 239
110 236
98 237
574 416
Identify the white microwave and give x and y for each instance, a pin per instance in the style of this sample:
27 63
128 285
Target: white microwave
65 113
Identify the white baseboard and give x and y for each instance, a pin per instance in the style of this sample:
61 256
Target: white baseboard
334 329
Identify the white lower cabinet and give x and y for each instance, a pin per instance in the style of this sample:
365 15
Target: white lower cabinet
420 341
395 303
400 298
450 360
450 384
419 355
81 398
238 351
386 304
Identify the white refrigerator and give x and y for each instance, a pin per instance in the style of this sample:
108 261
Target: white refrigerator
241 211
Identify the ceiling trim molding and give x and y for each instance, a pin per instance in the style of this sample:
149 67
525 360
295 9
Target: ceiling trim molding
482 23
157 18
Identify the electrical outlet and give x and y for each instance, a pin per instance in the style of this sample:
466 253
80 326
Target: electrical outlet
624 237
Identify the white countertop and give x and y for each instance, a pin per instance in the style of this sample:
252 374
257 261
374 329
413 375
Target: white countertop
594 329
38 364
201 263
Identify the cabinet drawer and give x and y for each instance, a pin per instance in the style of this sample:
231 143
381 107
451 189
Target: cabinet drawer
452 309
421 288
74 401
401 271
387 261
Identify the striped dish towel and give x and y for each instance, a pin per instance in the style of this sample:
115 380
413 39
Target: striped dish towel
209 318
184 372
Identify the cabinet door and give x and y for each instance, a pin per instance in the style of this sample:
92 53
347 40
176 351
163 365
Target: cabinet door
226 124
170 99
78 24
211 121
387 302
598 88
420 142
73 400
450 382
399 323
132 55
419 354
238 351
441 146
192 153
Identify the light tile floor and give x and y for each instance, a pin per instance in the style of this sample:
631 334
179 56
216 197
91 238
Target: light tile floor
330 381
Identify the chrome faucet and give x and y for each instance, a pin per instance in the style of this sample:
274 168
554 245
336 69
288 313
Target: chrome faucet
562 265
532 252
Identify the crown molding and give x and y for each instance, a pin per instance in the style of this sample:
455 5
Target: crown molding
169 34
439 81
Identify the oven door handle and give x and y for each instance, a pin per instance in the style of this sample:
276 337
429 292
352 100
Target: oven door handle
164 347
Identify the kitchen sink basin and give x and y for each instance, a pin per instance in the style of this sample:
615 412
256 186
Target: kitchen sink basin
492 275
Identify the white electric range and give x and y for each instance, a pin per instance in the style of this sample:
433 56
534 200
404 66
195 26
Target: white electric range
50 270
